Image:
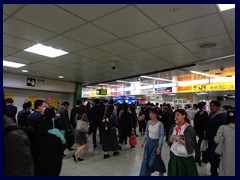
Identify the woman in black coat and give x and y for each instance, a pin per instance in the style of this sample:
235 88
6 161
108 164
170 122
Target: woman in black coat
125 125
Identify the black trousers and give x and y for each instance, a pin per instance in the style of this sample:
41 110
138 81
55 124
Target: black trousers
94 135
213 159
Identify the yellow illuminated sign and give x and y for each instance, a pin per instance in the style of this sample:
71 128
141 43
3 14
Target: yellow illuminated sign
225 86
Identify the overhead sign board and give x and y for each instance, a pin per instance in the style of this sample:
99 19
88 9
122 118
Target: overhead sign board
225 86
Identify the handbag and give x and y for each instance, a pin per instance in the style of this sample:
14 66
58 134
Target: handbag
82 126
141 117
219 148
57 132
132 140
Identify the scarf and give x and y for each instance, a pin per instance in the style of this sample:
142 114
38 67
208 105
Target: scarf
178 128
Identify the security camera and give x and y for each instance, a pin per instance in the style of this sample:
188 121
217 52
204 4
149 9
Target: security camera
221 68
113 65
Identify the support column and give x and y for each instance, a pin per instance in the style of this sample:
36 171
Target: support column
77 94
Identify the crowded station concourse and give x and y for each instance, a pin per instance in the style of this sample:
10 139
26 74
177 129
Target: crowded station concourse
119 89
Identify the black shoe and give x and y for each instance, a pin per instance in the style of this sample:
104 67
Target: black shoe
80 159
74 157
106 156
125 142
136 135
132 146
94 146
115 153
70 149
120 148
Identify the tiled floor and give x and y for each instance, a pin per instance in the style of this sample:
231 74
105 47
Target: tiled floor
127 163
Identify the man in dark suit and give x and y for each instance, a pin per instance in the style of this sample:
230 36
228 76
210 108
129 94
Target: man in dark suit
11 110
35 119
22 115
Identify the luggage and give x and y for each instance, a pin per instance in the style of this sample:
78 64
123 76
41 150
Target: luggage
109 141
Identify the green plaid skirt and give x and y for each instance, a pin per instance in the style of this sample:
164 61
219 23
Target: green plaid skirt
181 166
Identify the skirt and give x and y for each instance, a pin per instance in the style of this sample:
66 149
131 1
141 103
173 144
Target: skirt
182 166
80 137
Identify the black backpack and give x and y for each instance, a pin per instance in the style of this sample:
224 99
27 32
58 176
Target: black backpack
46 151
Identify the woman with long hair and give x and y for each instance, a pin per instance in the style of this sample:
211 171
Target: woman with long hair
153 142
183 145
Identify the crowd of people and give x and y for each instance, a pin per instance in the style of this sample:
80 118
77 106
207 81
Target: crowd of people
183 129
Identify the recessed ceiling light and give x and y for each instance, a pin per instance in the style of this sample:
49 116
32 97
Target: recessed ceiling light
25 71
45 51
12 64
61 77
224 7
207 45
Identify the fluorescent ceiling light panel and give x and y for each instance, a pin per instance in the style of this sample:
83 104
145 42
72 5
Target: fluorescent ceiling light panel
12 64
171 94
61 77
204 74
122 81
203 93
45 51
148 77
25 71
165 85
103 84
224 7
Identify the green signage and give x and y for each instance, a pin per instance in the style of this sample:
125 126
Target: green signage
101 92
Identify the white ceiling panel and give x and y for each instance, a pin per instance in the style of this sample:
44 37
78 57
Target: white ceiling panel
30 56
221 42
65 44
156 64
171 50
142 38
215 53
90 34
164 16
25 30
5 17
139 56
118 47
152 39
9 51
18 60
72 58
126 22
9 9
39 67
232 35
49 17
182 59
199 28
93 53
91 11
229 19
15 42
58 62
7 69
